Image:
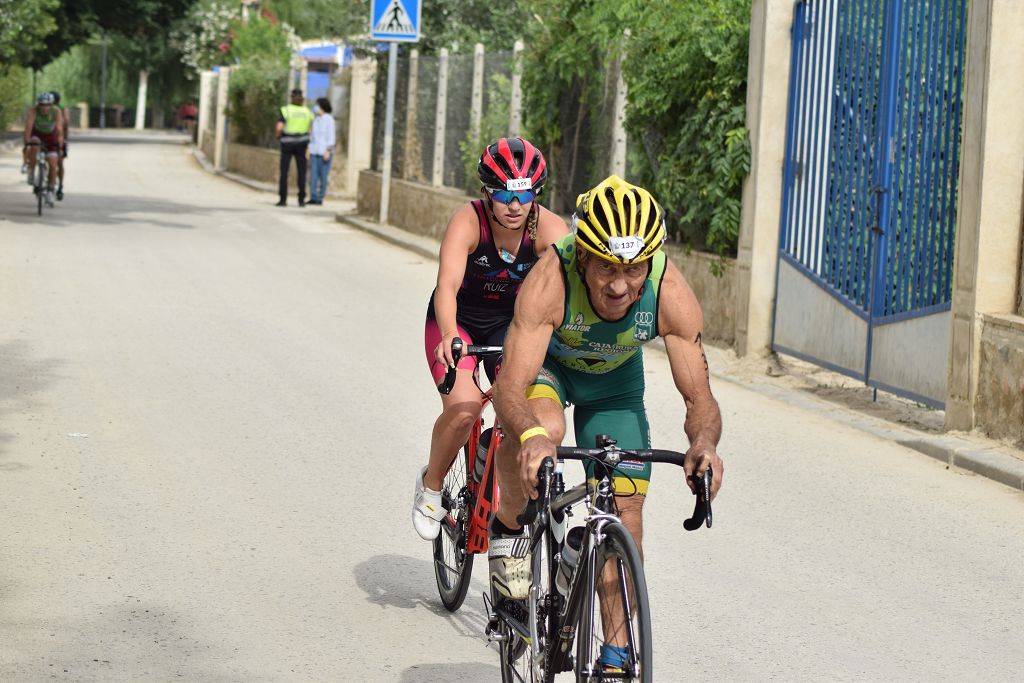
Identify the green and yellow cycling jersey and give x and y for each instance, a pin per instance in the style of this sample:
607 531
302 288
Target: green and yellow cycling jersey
587 343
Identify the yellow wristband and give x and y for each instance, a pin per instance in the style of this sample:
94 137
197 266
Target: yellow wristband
531 432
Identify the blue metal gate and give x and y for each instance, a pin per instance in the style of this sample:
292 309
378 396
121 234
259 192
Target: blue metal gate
869 194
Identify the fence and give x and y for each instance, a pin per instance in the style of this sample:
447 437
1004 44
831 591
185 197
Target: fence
448 106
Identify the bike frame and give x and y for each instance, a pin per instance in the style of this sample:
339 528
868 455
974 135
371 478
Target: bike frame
484 493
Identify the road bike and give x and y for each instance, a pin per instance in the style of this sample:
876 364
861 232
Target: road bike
41 171
536 636
469 494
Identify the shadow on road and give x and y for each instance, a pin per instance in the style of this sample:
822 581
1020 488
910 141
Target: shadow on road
431 673
21 377
407 583
133 641
84 209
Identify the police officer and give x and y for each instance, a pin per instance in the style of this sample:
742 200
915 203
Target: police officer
293 126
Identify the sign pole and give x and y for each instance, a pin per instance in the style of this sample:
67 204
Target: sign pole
389 128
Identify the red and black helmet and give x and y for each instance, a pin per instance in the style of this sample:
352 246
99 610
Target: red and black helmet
509 160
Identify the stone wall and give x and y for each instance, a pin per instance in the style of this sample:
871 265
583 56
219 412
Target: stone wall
262 164
425 210
1000 406
717 294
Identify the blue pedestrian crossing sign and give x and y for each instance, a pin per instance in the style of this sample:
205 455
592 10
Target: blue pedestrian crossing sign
397 20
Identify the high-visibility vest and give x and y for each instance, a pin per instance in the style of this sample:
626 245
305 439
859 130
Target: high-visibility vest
297 119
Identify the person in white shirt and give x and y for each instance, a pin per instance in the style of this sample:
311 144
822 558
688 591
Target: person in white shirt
321 150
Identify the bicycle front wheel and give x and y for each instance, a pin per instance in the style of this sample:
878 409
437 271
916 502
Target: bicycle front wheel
616 615
453 567
40 190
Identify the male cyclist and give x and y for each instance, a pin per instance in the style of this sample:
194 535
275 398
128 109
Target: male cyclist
44 126
582 315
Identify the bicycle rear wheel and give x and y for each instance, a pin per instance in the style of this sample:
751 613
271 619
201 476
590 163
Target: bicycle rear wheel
453 567
619 569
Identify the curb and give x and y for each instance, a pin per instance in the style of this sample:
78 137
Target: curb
983 457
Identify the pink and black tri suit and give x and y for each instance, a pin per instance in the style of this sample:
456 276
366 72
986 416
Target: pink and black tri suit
486 299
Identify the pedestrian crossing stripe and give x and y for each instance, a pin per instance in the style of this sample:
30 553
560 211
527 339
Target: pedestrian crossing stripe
395 20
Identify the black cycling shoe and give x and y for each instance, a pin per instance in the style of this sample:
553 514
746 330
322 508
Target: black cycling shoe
60 193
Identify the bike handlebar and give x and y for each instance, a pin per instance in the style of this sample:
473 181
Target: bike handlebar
611 455
459 350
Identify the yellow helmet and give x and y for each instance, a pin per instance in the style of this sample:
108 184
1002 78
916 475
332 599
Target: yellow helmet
619 222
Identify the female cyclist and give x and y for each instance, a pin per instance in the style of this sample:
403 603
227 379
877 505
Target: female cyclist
489 246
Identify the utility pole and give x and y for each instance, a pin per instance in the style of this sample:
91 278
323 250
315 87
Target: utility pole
103 82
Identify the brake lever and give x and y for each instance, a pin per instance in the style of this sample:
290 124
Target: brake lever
445 387
536 506
702 508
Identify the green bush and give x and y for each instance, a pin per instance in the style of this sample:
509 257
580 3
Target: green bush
13 88
685 67
255 93
263 47
686 74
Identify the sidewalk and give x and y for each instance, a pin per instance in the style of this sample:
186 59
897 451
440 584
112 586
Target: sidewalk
812 388
241 179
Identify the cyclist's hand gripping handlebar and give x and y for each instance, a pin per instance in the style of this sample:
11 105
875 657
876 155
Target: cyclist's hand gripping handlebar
445 387
536 508
702 508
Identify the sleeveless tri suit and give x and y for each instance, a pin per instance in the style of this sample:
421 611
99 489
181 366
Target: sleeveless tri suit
487 297
597 365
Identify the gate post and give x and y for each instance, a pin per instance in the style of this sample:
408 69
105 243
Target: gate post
991 203
768 68
887 146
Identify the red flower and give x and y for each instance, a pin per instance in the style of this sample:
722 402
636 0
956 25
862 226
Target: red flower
224 47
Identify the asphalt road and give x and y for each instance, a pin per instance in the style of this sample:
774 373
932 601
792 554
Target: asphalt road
212 410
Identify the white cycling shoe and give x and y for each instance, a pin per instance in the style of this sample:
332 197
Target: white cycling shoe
509 559
427 510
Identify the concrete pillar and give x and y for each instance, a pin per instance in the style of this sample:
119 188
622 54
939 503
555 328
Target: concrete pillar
476 105
205 77
304 79
140 102
988 230
220 140
292 75
412 157
83 114
618 160
440 116
360 121
757 258
515 106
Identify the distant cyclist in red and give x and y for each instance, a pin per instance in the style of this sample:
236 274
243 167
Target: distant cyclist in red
45 126
489 246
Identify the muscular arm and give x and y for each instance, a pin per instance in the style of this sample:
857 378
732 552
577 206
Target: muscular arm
460 240
59 127
539 309
30 122
681 324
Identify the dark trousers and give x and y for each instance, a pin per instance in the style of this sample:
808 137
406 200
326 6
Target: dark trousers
289 150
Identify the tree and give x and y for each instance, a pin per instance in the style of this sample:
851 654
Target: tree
24 26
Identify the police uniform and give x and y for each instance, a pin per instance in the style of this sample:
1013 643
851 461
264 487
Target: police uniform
297 120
